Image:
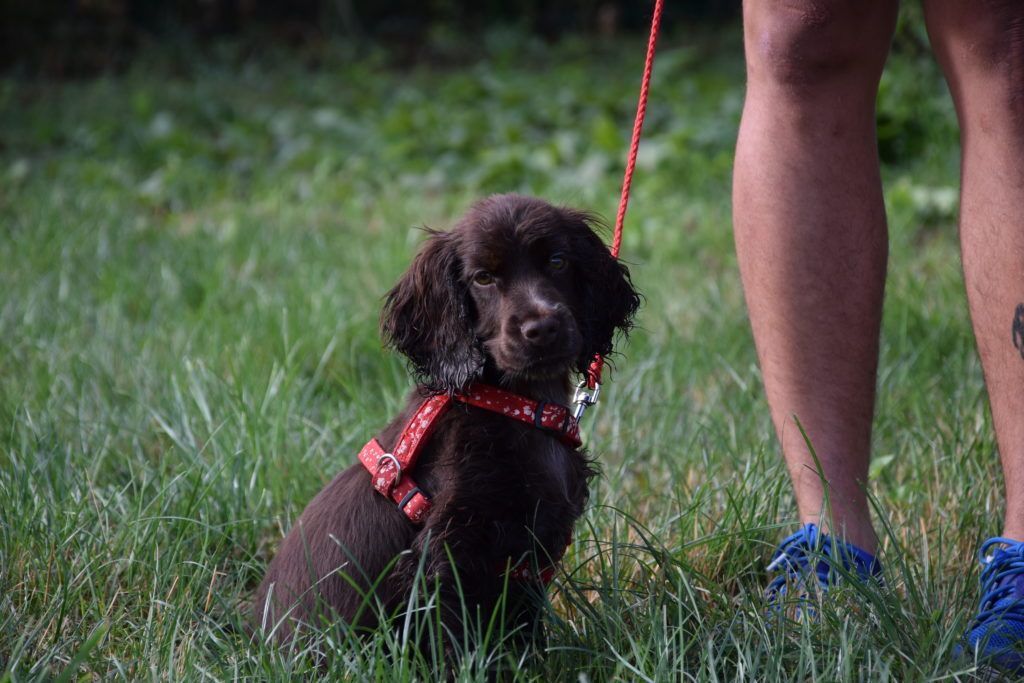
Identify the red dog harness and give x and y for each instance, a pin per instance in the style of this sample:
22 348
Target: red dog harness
390 471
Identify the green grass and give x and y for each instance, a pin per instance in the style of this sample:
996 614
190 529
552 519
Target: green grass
193 256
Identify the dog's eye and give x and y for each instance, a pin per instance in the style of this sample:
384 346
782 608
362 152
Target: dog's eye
557 262
483 278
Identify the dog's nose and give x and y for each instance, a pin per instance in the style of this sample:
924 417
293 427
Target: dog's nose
540 331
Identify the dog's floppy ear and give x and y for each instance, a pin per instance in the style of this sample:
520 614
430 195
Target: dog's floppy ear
608 300
427 318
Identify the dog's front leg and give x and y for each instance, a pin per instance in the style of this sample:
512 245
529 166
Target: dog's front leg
455 583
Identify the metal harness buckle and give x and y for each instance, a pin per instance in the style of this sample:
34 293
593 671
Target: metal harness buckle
398 466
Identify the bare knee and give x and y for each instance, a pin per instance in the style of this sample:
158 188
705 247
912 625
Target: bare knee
1005 63
807 44
981 47
992 34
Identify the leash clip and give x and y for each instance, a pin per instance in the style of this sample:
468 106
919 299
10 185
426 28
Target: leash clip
584 397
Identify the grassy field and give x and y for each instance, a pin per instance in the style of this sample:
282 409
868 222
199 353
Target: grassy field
192 259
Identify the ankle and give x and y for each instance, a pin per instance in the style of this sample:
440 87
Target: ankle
858 533
1014 532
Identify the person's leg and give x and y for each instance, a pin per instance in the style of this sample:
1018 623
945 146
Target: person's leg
811 236
980 46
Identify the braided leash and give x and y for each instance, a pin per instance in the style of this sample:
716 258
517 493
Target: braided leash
589 389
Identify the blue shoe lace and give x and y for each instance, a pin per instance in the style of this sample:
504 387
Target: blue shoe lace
808 553
997 632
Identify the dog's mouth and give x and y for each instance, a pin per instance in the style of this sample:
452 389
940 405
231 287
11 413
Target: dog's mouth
533 366
545 368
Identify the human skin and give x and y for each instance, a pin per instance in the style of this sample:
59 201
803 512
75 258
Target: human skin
980 46
811 237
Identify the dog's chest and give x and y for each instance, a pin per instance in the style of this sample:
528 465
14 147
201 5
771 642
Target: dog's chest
522 468
554 467
546 474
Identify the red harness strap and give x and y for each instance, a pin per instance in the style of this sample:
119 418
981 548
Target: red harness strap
550 417
524 571
390 471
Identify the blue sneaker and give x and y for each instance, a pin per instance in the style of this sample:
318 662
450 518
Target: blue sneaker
810 553
997 632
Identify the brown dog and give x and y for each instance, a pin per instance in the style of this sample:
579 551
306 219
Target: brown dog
517 295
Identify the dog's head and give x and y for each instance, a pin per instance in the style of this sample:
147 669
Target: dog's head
518 285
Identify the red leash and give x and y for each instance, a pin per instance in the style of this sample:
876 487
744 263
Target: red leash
590 388
638 124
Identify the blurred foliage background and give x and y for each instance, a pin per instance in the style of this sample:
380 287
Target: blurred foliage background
81 37
75 39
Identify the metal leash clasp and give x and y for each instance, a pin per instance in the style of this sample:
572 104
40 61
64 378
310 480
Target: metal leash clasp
584 397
